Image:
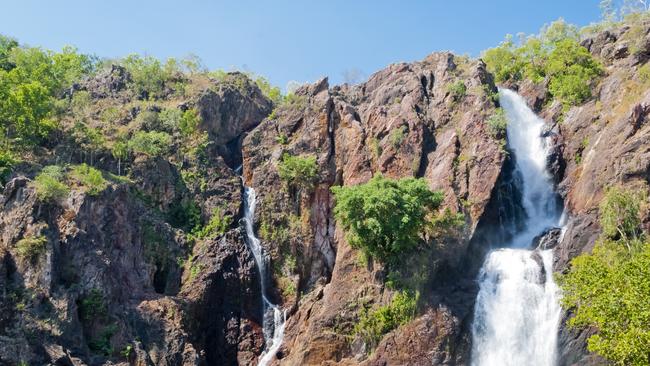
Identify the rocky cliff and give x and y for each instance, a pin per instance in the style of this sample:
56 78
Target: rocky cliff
121 277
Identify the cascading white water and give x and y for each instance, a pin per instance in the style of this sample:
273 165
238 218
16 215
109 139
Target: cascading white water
525 130
517 310
274 318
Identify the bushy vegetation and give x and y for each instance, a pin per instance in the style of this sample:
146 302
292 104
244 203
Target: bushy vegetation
7 162
49 184
92 306
608 290
31 247
91 178
457 90
149 76
397 136
554 54
219 223
375 323
386 218
152 143
298 171
619 214
497 124
30 81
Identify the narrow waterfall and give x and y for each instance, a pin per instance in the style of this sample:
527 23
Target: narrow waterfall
517 310
274 317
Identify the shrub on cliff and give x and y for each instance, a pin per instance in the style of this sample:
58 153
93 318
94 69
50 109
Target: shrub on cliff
49 184
89 177
457 90
149 76
373 324
31 247
298 171
555 54
608 290
153 143
7 162
497 124
620 214
384 217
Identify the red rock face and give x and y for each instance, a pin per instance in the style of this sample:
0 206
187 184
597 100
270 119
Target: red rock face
178 303
402 122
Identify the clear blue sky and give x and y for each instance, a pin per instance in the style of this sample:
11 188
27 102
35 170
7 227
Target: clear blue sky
283 40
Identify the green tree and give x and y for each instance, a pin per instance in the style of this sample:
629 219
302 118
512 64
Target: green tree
120 151
608 290
6 45
152 143
571 69
298 171
189 122
503 62
148 75
386 218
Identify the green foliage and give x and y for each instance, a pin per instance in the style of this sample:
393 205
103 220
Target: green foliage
127 351
270 91
170 119
554 54
497 124
80 104
294 102
282 139
608 290
149 76
298 171
49 184
218 225
189 122
149 120
620 214
503 62
374 324
185 214
571 69
6 45
7 161
397 136
88 138
30 79
386 218
91 178
31 247
457 90
152 143
102 343
92 306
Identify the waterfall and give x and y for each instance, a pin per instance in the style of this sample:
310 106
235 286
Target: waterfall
517 310
273 317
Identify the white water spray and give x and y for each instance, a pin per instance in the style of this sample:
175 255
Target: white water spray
274 318
517 308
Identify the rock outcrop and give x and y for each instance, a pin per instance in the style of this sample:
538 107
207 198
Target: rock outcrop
125 277
404 121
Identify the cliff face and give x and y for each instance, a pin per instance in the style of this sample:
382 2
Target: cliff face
119 280
404 121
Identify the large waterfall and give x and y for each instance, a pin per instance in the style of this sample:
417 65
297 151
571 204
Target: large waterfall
517 311
274 317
